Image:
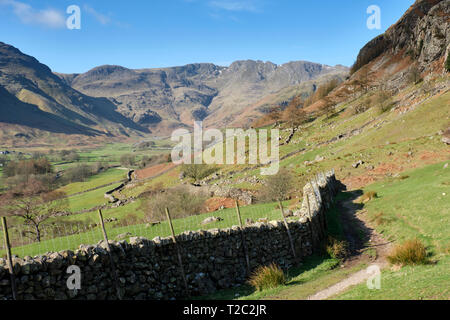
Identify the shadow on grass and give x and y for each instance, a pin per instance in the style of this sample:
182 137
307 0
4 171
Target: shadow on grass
244 290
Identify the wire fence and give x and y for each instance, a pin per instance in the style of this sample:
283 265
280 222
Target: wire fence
29 240
34 240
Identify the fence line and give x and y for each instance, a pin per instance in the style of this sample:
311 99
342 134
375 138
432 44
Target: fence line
72 233
291 242
180 260
108 249
121 229
10 263
244 245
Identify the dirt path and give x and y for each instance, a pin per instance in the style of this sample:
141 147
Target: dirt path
361 238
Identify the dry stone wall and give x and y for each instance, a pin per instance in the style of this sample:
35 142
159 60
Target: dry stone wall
149 269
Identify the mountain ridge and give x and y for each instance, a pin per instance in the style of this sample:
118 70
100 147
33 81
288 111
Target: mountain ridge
169 97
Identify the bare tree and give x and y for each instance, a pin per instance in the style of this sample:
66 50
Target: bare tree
34 208
328 108
414 75
294 115
197 171
278 186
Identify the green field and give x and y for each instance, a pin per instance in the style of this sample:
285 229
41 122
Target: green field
90 199
103 178
112 152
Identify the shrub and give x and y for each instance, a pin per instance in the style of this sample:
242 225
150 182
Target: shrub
411 252
154 160
131 219
322 91
69 155
414 75
382 100
127 160
27 167
267 277
78 173
179 200
336 248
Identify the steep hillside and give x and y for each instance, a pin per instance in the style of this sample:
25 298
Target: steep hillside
415 48
31 95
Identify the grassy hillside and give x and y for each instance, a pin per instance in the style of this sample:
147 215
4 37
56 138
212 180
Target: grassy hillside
413 206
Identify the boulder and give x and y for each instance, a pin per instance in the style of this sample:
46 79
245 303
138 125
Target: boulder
211 220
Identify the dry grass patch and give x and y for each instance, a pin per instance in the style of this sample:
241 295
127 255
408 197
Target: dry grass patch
411 252
267 277
368 196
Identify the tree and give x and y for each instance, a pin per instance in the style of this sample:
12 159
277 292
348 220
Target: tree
328 107
79 173
275 114
322 92
179 200
127 160
278 186
294 115
34 209
27 167
197 171
414 75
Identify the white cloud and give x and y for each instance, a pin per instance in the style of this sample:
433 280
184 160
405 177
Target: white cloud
236 5
103 19
47 17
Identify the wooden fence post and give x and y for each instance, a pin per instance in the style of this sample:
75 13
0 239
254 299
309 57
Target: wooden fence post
288 231
180 261
108 249
8 254
244 245
311 230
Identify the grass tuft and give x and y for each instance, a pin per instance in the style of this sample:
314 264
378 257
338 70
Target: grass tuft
336 249
367 196
267 277
411 252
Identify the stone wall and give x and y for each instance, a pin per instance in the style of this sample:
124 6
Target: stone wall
149 269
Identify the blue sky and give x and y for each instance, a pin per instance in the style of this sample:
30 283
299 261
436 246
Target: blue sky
161 33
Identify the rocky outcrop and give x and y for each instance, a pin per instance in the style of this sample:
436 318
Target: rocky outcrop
423 33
